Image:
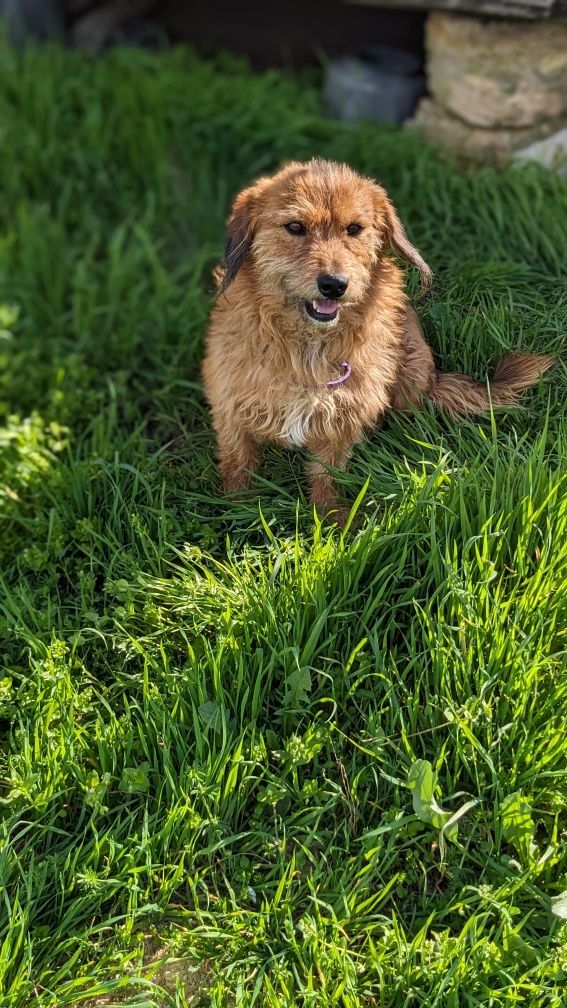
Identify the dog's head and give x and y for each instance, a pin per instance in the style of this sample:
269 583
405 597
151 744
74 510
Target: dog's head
312 235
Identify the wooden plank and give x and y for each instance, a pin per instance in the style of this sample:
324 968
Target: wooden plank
500 8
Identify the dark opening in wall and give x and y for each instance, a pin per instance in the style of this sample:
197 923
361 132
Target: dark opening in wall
291 33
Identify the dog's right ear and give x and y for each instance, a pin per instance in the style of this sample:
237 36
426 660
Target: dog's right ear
239 236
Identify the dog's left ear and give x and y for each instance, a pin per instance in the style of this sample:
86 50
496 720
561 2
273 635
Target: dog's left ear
399 242
239 235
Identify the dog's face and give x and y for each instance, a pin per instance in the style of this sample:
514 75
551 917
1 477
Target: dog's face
312 236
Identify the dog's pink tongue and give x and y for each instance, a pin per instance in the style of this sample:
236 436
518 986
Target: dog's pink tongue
325 306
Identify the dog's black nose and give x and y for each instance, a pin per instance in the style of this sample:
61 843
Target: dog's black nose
332 286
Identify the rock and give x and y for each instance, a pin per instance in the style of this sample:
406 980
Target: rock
550 152
497 73
475 143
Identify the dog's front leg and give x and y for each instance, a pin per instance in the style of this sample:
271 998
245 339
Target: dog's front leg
322 485
238 456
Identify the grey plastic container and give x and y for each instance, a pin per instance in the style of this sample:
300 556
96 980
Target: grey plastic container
380 84
37 19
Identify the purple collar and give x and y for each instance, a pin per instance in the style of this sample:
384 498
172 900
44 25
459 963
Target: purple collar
347 369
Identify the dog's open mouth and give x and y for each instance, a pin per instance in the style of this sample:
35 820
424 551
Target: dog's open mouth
322 309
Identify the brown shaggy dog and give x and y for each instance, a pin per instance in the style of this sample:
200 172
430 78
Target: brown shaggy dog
312 337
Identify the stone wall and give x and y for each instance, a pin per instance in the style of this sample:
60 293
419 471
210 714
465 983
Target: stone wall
496 86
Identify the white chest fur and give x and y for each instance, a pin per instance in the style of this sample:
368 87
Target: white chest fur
295 428
300 409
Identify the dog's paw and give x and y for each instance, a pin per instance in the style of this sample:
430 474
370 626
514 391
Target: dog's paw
235 484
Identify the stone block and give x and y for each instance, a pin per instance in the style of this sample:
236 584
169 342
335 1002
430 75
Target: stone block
495 73
476 143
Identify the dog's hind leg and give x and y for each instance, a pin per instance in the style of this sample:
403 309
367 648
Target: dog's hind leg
417 367
458 394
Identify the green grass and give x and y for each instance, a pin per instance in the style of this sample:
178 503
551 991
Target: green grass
312 769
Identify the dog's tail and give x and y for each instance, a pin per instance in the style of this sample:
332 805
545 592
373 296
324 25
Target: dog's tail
460 395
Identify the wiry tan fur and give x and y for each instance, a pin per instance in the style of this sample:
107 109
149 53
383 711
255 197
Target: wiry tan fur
267 362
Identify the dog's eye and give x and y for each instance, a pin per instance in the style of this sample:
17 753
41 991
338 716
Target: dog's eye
295 227
354 229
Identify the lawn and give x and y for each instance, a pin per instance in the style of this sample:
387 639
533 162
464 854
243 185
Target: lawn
307 768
